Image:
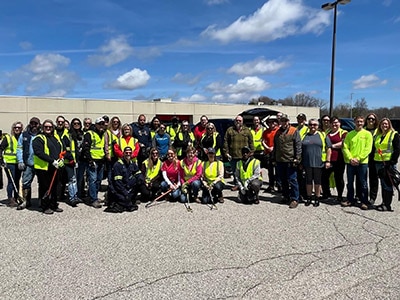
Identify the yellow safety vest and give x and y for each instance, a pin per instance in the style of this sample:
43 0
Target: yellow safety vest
97 147
10 153
211 170
385 147
189 173
244 175
323 152
111 137
257 139
215 134
172 131
38 163
180 137
302 131
151 173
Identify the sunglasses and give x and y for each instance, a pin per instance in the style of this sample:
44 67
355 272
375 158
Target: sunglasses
48 127
371 119
17 127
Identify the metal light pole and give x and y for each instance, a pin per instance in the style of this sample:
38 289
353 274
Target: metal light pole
329 6
351 108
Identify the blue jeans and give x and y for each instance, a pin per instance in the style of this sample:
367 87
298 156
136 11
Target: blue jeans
80 177
72 183
361 171
287 174
27 177
95 176
16 176
175 195
193 190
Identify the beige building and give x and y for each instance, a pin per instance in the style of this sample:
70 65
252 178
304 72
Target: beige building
23 108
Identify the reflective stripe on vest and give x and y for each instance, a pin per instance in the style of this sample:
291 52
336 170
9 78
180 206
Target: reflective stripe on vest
211 171
385 146
97 147
244 175
180 137
323 152
10 153
152 172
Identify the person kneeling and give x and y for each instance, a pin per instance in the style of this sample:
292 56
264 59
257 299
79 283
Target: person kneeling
126 180
249 177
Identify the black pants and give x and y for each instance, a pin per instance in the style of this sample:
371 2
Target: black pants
337 168
44 179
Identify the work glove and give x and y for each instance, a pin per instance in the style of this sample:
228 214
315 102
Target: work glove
60 163
21 166
76 165
55 164
246 184
229 157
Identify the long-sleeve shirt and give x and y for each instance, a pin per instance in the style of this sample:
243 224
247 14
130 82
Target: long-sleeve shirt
358 145
195 163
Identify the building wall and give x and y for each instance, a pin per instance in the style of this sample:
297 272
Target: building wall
23 108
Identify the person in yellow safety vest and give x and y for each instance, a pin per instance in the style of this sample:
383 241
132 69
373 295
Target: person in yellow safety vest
47 161
112 134
249 179
183 139
126 139
210 139
257 132
212 179
356 148
302 127
316 155
190 171
93 152
151 170
8 160
386 155
173 129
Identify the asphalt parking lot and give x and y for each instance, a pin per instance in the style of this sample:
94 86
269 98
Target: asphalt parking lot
237 251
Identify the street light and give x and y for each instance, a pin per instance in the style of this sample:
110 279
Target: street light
329 6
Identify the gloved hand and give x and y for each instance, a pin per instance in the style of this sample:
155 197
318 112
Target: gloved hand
60 163
21 166
76 165
92 164
229 157
243 191
246 184
55 164
185 188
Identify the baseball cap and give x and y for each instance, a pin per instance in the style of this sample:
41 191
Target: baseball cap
301 116
99 120
246 149
285 117
211 150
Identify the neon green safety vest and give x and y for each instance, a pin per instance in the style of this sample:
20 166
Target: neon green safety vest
244 175
39 163
189 173
151 173
215 134
323 152
10 153
97 147
257 139
111 137
180 137
385 147
211 170
302 131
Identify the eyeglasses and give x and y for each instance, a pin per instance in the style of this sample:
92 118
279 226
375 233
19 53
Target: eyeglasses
76 123
116 122
60 122
313 124
47 127
326 120
88 123
155 153
101 123
371 119
17 127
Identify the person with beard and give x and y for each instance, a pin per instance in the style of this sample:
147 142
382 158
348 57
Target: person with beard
126 180
93 151
25 160
249 179
8 160
237 137
141 132
47 149
287 156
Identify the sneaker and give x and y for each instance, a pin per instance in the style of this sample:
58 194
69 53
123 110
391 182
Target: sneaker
96 204
293 204
58 210
316 202
48 211
346 204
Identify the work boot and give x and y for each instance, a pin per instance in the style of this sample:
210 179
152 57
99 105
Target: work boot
24 203
308 201
13 202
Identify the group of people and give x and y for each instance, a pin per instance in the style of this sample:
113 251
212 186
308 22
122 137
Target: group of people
148 162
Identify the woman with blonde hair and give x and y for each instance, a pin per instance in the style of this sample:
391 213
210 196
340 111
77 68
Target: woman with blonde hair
126 139
171 177
8 159
151 170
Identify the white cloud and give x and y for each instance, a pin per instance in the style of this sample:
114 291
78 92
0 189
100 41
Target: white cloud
131 80
244 85
46 74
215 2
113 52
194 98
367 81
275 19
257 67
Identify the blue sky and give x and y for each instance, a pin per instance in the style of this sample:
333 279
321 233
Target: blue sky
219 51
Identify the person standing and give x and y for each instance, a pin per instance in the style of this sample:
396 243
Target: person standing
316 156
200 129
237 137
93 152
210 139
302 125
356 149
257 133
162 141
8 159
268 144
25 160
125 184
386 155
372 122
287 155
47 149
184 138
173 128
141 132
126 139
